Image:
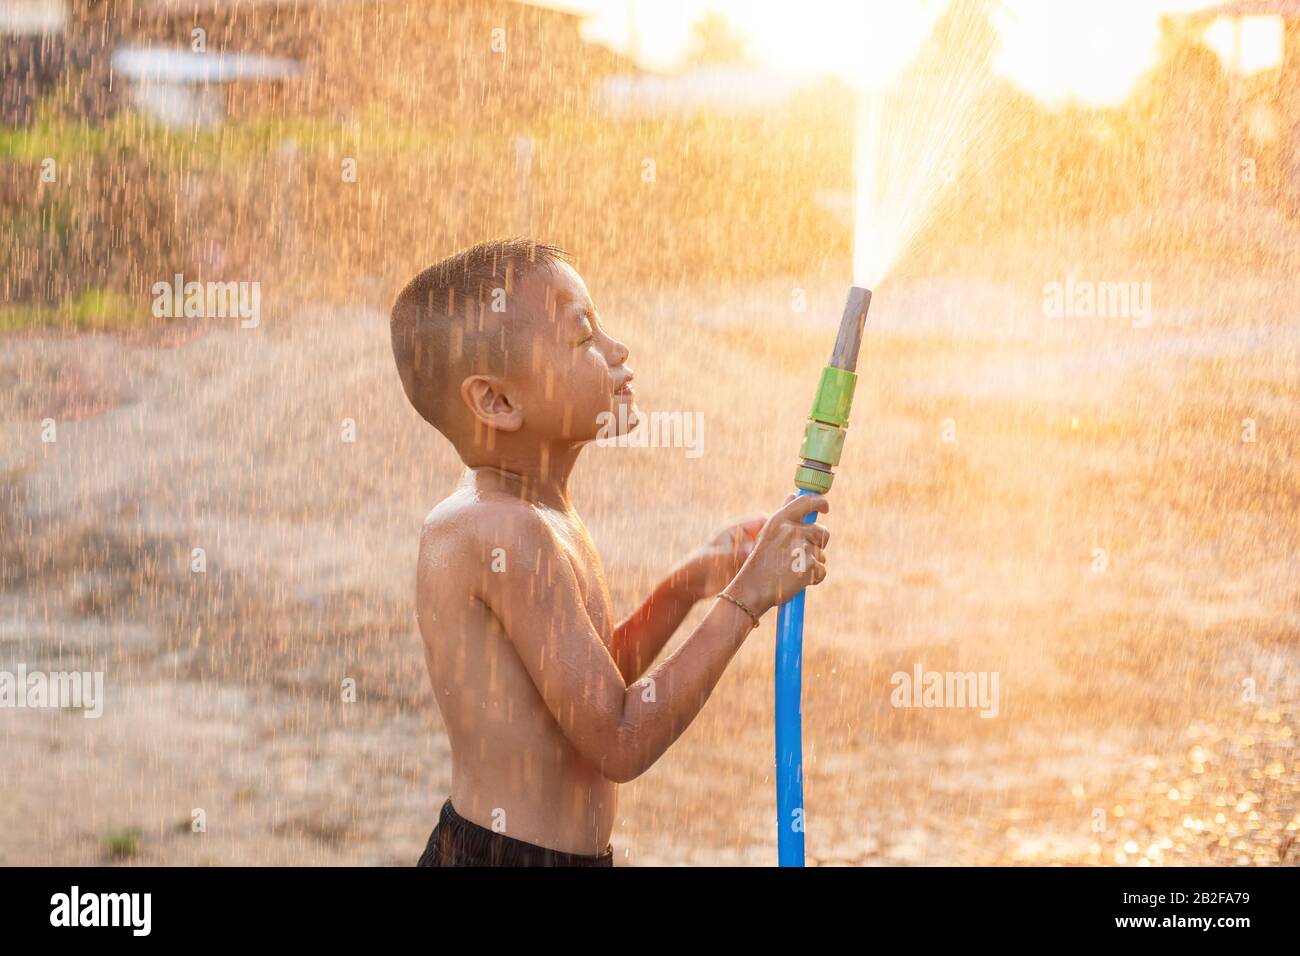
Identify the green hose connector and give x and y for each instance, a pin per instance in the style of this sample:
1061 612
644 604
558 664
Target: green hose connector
823 436
834 396
813 479
823 443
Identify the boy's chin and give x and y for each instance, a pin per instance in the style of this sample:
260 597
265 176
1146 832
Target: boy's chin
633 416
620 420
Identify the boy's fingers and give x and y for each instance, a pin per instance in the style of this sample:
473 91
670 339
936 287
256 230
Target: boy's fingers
795 508
744 534
818 534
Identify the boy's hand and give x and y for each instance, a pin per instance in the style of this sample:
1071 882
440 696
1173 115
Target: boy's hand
786 558
711 567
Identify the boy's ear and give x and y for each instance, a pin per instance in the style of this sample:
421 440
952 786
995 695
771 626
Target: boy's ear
487 401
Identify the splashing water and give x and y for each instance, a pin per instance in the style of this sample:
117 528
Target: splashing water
911 136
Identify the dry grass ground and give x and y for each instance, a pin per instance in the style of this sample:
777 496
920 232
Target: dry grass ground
1124 690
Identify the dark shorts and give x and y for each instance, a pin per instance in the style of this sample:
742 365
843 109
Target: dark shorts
456 841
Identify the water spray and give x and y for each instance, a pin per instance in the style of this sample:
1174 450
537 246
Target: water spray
823 443
909 135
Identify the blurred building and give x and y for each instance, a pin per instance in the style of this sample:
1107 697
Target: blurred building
1236 124
187 89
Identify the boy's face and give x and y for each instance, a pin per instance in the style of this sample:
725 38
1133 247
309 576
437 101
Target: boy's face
575 370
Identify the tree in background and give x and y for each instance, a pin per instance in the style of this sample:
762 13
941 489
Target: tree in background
715 41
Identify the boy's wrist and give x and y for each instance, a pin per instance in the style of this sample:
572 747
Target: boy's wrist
688 581
697 579
736 602
752 600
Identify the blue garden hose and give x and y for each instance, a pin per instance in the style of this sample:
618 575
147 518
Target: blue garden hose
822 446
789 725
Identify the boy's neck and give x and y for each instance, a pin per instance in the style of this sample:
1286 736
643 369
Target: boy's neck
542 478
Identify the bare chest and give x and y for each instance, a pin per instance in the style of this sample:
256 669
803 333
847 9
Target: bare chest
585 560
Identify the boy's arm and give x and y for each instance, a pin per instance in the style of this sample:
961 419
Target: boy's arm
624 730
639 639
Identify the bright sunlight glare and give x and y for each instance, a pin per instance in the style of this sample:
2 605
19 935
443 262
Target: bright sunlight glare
1087 51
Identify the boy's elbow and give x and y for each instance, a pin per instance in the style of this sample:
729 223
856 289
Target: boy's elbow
626 758
622 771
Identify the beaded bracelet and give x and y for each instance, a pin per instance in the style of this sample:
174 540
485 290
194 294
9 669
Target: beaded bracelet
727 597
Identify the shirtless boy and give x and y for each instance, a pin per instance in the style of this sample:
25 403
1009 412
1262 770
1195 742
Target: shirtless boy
548 701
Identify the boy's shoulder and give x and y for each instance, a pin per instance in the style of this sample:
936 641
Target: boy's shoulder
474 525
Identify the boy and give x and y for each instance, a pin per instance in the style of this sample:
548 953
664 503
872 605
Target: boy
550 703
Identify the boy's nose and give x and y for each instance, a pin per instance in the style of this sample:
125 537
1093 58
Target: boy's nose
618 352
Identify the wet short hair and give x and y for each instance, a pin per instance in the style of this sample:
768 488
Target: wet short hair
439 318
